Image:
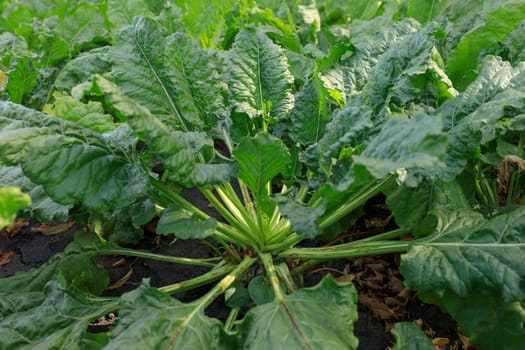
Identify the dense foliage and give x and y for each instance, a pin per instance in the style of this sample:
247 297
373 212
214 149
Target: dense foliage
288 116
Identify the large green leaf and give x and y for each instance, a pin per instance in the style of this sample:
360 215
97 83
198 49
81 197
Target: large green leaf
472 270
197 82
139 70
489 27
151 319
320 317
54 318
73 164
11 200
187 156
258 76
471 117
414 148
43 208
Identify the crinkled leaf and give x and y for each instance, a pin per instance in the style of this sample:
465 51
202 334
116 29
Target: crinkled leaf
122 12
151 319
187 156
468 269
416 145
348 128
471 117
197 83
184 224
410 337
57 318
516 44
89 115
139 70
73 164
320 317
258 76
11 201
43 208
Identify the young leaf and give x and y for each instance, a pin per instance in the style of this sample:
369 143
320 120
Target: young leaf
258 76
260 159
89 115
320 317
11 200
410 337
151 319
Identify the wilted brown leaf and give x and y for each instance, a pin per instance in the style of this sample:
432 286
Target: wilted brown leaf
5 258
121 281
49 230
15 228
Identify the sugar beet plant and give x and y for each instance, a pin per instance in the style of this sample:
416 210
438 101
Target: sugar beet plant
287 117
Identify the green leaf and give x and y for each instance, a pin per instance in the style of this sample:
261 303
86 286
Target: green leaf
21 79
83 67
187 156
73 164
11 200
320 317
151 319
470 118
56 317
310 114
260 290
124 225
198 84
303 217
89 115
139 70
410 337
43 208
258 76
122 12
185 224
468 269
424 208
492 25
260 159
413 148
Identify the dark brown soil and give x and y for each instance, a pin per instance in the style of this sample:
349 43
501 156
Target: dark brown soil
28 249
